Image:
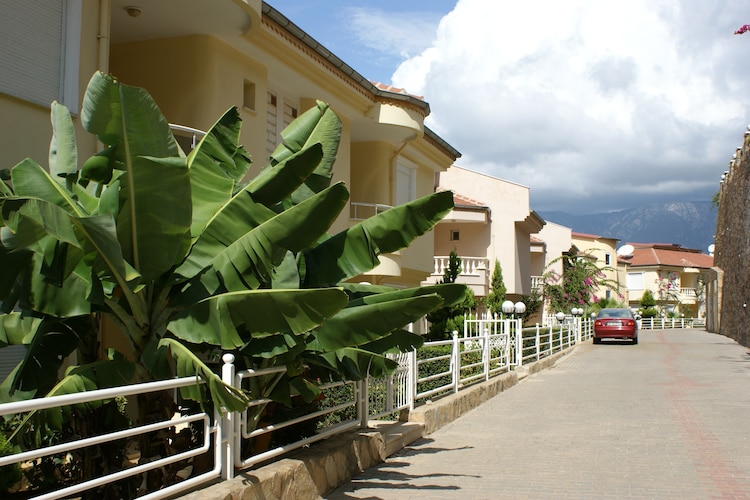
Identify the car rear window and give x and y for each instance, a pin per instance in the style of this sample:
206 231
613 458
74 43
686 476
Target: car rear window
614 313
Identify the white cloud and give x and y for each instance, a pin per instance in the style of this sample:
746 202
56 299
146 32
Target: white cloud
589 103
404 33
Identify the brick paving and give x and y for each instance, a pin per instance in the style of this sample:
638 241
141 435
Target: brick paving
667 418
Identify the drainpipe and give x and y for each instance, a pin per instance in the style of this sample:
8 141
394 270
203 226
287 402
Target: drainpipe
105 10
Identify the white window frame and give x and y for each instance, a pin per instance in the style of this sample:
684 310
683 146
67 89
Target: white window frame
410 169
631 283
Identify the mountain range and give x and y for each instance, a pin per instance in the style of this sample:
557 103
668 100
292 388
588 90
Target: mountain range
689 224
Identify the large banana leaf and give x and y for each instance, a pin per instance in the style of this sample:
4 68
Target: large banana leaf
216 165
232 319
155 216
352 363
272 185
451 293
220 146
318 124
63 152
32 181
47 343
126 117
35 219
154 222
15 326
188 365
245 244
356 326
356 249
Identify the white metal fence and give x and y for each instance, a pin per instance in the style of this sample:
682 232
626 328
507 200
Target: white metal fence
227 442
668 323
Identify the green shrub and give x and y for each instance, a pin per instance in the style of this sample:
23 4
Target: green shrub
9 474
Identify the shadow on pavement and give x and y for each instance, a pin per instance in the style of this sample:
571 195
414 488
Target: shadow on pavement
383 477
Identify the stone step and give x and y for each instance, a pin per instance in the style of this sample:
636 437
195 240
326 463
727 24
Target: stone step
397 434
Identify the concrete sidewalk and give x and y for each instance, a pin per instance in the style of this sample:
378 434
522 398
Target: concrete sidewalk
667 418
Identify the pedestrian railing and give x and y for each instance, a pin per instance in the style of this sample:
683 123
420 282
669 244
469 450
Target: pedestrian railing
231 441
659 323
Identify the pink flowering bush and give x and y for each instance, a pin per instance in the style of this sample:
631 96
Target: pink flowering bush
578 284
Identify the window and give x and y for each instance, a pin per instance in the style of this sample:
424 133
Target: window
248 95
635 281
281 111
406 181
607 259
455 235
41 50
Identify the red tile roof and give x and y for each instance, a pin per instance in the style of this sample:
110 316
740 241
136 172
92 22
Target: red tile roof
659 254
395 90
576 234
463 201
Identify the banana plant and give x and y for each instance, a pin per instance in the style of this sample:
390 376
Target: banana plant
182 256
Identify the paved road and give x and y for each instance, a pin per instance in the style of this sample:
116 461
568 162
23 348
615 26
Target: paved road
668 418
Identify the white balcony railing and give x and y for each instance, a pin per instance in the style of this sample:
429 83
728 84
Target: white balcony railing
186 137
537 282
362 211
470 266
688 292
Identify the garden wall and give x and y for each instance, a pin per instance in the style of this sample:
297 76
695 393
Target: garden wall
732 252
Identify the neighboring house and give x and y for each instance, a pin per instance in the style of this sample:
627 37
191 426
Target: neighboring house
675 276
491 221
199 58
550 244
603 249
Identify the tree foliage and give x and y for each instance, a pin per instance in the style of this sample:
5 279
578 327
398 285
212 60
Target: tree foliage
580 279
187 260
445 320
647 305
494 300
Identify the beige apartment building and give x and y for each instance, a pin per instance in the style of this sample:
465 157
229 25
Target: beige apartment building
603 250
198 58
491 221
676 277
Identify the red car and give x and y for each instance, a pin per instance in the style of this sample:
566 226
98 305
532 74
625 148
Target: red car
614 323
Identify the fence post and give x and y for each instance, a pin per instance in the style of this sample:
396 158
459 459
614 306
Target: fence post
411 378
486 351
538 346
519 341
456 360
227 433
364 403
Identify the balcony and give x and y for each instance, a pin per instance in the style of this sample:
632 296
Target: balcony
474 273
688 295
186 137
537 282
360 211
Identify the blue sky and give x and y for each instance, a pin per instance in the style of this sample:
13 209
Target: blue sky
371 37
595 105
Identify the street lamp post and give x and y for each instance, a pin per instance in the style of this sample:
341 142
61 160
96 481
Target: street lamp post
507 307
577 312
